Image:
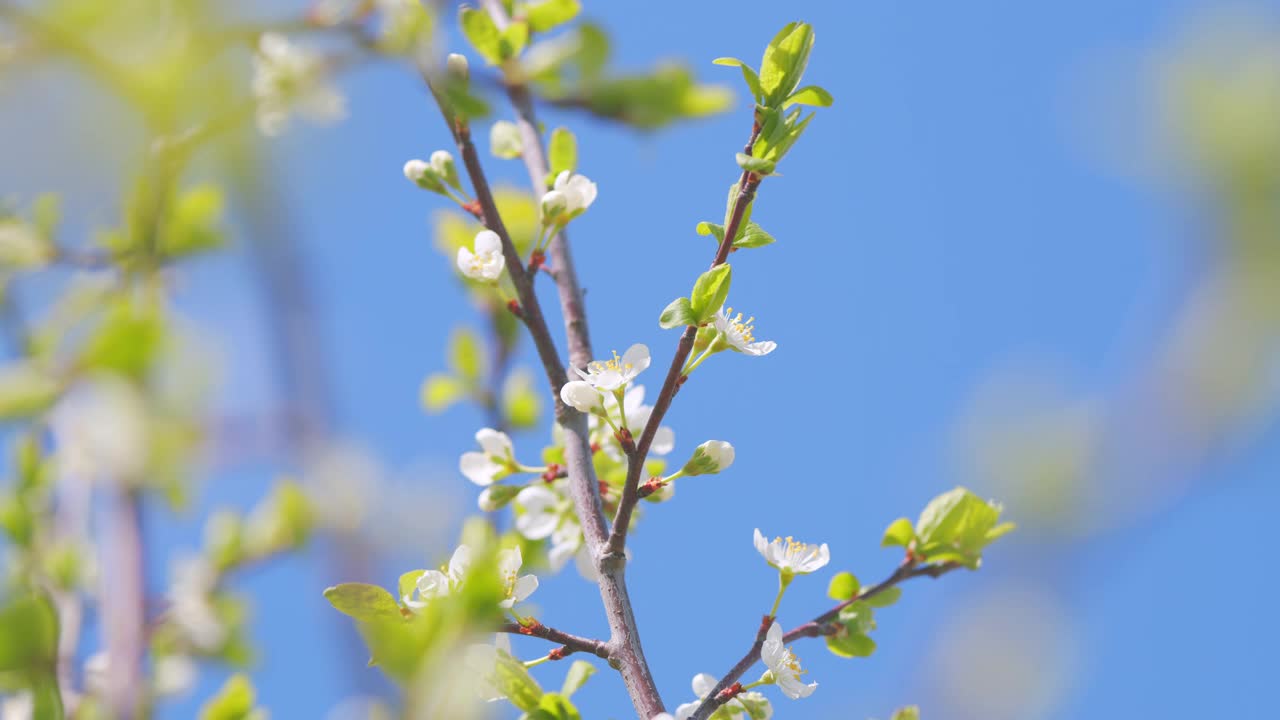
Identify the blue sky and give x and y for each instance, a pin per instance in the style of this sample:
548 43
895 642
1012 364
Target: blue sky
966 213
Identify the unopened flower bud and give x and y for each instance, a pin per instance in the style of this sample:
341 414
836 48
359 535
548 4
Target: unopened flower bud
504 140
581 396
459 68
497 496
423 175
442 164
415 169
709 458
553 204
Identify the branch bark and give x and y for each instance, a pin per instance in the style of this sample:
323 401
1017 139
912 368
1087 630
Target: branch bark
624 643
816 627
747 185
571 643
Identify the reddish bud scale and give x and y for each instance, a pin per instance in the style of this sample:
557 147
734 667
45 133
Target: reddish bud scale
730 692
537 260
595 448
553 472
514 306
556 653
651 486
473 207
604 488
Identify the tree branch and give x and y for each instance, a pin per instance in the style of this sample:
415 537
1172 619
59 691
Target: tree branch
572 643
747 185
624 641
816 627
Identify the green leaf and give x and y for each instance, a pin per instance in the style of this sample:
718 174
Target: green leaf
677 314
562 151
784 62
547 14
884 598
756 705
482 33
513 39
466 354
748 74
851 645
956 526
554 706
233 702
25 390
127 341
514 681
28 634
709 293
520 401
192 225
843 586
282 521
363 601
709 228
900 533
753 236
579 673
439 391
810 95
759 166
408 582
911 712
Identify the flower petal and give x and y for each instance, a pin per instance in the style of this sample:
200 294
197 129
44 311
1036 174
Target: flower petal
487 241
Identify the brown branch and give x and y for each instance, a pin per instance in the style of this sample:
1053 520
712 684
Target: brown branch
747 185
817 627
571 643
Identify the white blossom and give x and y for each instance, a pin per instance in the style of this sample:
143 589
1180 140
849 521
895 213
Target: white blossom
740 334
734 709
174 674
578 191
538 512
486 262
416 169
100 431
459 67
287 79
609 375
517 587
442 164
792 556
504 140
582 396
18 706
494 460
784 665
438 583
189 606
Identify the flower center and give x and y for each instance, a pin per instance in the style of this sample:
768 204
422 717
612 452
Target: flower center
792 663
614 364
509 582
744 328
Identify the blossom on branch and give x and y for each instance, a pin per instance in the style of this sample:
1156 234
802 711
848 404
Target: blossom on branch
791 556
784 665
486 262
739 334
438 583
516 587
288 79
616 372
496 458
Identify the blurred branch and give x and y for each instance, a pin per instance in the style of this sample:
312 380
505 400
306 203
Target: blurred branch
818 627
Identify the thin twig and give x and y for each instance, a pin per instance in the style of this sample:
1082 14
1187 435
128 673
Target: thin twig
747 185
572 643
817 627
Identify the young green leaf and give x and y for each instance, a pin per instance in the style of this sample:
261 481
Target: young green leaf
363 601
554 706
759 166
466 356
784 62
579 673
851 644
956 526
439 391
899 533
233 702
547 14
748 74
708 228
709 293
810 95
512 679
753 236
562 151
513 40
910 712
482 33
25 390
884 598
677 314
843 587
